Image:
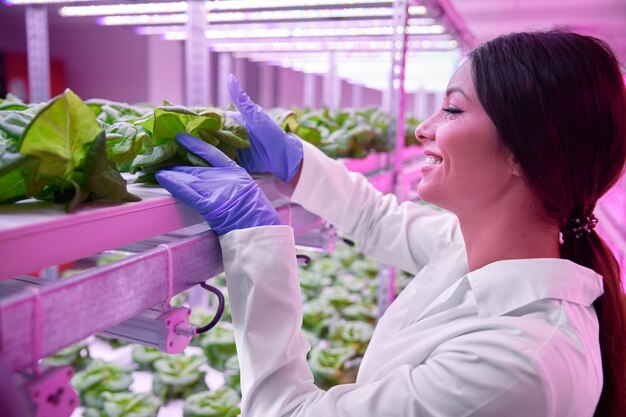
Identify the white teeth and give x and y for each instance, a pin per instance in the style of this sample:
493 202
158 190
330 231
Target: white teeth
433 160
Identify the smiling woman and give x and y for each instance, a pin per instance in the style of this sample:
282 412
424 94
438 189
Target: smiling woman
516 308
566 126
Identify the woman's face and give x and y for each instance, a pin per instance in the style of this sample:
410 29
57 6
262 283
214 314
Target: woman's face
466 165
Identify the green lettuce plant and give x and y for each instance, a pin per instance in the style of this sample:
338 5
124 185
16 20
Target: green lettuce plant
125 404
76 356
178 376
145 357
353 334
232 373
317 316
223 402
218 345
331 366
100 377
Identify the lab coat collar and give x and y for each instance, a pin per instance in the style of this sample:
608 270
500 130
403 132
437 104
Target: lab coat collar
506 285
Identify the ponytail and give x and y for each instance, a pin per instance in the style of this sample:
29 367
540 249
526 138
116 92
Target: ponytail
593 252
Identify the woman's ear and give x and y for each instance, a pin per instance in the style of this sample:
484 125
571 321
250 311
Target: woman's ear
515 166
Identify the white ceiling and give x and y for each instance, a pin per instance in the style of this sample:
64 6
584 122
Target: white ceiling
605 19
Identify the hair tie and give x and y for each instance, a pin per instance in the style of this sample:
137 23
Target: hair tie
579 226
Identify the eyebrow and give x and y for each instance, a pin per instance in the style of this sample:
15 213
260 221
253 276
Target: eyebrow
457 90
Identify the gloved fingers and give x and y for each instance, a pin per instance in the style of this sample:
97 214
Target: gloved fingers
240 98
249 110
198 172
211 173
208 152
177 183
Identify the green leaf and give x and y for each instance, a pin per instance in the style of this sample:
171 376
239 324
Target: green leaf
211 121
159 154
191 158
18 177
228 150
218 345
233 126
230 139
10 105
146 122
309 134
122 109
13 123
11 161
59 133
124 141
103 181
223 402
80 195
130 404
13 187
170 120
208 137
289 122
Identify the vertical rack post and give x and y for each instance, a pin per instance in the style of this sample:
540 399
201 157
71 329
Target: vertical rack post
396 81
309 90
396 101
357 96
268 86
38 53
196 55
224 68
332 83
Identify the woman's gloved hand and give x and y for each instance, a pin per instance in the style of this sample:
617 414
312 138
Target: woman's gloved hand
224 194
272 150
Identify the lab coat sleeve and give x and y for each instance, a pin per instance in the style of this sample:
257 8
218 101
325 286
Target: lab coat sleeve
402 235
477 375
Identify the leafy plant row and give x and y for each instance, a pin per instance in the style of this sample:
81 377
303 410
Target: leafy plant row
70 151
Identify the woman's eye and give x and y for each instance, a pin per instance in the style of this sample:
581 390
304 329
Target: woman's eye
451 110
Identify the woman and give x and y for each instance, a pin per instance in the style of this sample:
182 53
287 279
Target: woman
517 307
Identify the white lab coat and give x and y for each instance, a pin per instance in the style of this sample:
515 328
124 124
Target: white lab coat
514 338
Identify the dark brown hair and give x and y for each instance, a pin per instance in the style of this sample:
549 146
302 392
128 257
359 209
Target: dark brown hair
558 102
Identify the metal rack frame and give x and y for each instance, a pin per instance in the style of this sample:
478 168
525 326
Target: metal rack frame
94 300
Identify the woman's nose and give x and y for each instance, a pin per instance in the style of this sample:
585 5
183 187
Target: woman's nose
425 131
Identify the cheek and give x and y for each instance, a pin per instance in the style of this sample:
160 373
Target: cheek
474 159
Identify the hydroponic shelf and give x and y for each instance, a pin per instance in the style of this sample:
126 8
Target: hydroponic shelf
36 234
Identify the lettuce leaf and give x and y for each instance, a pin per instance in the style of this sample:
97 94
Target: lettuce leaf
58 135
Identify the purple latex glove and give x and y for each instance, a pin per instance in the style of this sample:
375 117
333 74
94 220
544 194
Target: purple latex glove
224 194
271 149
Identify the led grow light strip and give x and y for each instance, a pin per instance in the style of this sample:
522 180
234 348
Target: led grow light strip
235 16
358 56
118 20
113 9
237 4
304 45
279 4
319 25
221 9
24 2
144 19
319 32
241 35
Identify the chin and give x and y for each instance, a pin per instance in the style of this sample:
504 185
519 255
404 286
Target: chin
427 193
433 196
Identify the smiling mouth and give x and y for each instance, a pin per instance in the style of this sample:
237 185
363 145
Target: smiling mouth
433 160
